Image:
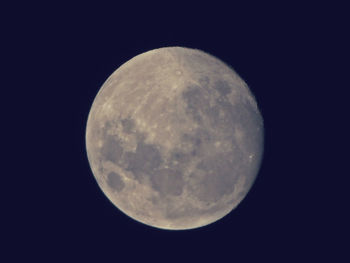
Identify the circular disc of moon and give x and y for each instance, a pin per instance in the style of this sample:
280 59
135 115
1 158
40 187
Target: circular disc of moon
174 138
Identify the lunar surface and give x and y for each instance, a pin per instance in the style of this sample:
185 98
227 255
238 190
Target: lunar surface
174 138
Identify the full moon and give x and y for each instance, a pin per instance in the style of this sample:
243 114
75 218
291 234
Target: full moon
174 138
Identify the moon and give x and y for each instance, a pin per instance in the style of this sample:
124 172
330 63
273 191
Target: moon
174 138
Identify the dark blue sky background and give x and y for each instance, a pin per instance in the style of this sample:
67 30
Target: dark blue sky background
57 57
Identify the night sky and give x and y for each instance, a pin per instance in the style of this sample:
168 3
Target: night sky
58 56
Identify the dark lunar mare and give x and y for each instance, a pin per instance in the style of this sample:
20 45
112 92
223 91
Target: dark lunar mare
168 181
115 181
221 173
198 139
197 102
112 149
144 161
221 170
128 125
222 87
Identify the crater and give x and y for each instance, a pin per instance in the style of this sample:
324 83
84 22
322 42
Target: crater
115 181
